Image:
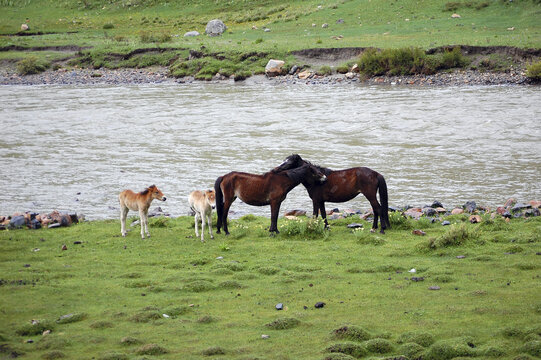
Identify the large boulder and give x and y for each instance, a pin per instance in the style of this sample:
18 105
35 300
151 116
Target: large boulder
215 27
274 67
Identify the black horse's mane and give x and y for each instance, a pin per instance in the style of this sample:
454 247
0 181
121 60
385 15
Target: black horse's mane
324 170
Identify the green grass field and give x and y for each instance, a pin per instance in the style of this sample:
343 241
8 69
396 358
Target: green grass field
116 291
107 28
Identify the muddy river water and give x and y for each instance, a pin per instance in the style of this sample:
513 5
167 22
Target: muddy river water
74 148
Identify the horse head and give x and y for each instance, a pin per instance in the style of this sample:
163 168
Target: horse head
210 197
156 193
290 162
306 173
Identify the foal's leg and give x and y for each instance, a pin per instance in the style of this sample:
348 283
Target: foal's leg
203 216
123 215
209 217
142 222
196 223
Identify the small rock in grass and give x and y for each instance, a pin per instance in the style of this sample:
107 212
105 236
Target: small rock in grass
435 287
265 336
445 223
319 305
279 306
418 232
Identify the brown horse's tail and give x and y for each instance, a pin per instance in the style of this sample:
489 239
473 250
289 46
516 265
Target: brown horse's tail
384 199
219 203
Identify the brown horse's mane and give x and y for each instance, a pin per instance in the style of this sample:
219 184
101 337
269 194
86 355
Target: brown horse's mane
146 191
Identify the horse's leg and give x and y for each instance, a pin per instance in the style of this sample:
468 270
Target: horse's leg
146 224
209 216
203 216
142 222
323 213
123 215
227 205
275 209
376 209
315 207
196 223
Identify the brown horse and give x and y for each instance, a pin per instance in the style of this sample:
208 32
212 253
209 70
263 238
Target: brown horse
270 188
344 185
138 202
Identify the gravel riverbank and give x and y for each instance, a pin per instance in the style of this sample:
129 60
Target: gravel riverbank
76 76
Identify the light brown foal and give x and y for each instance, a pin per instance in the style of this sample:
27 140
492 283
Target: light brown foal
130 200
202 203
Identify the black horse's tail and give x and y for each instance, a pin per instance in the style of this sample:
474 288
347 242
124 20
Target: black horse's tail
384 199
219 203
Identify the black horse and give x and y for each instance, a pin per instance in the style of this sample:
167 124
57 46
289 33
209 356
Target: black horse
344 185
270 188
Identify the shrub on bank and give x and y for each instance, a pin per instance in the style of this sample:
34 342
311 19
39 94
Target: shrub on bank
534 71
31 65
409 61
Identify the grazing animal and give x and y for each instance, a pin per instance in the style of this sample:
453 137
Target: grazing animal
138 202
344 185
271 188
202 203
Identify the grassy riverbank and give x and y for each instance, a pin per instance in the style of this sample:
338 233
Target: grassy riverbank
116 291
141 33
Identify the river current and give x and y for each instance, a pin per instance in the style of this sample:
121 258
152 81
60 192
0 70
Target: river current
74 148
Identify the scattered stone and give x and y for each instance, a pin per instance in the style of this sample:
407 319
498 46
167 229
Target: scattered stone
279 306
290 217
166 316
470 206
340 21
296 213
192 34
265 336
413 271
46 332
475 219
418 232
17 222
77 243
64 247
461 257
535 204
435 287
267 30
349 75
510 202
215 27
520 207
456 16
305 75
445 223
274 67
436 204
25 27
415 213
457 211
417 279
429 211
219 258
355 226
29 341
319 305
325 25
511 28
26 265
355 68
293 70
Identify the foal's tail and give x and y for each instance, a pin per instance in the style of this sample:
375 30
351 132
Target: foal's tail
219 202
384 199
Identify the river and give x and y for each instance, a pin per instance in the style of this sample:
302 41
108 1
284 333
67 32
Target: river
74 148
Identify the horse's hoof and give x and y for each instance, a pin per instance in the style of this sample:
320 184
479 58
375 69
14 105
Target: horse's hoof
212 237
